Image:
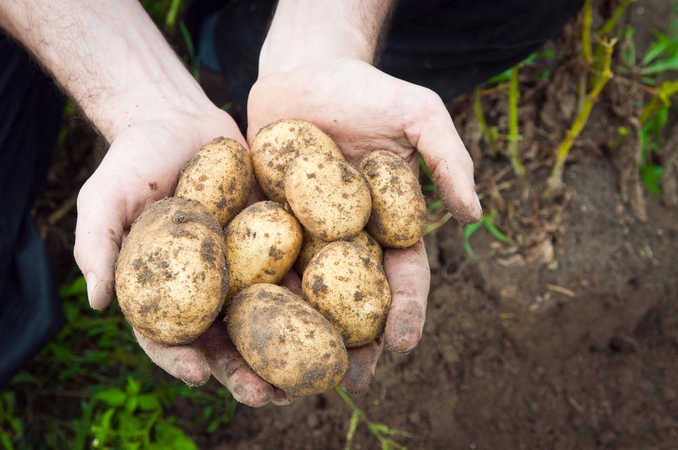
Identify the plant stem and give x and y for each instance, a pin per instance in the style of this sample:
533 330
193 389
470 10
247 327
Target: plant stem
662 98
610 23
478 107
555 181
514 136
172 14
586 31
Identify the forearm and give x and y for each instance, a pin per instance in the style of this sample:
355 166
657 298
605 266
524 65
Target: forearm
304 32
108 55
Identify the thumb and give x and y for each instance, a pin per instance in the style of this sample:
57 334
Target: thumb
438 142
98 236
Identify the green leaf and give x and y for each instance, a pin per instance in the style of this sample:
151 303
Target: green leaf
652 175
77 287
149 402
661 66
468 231
6 441
112 397
494 231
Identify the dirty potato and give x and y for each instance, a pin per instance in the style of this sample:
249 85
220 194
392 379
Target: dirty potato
276 145
398 207
285 341
312 244
347 285
172 274
219 176
262 243
330 197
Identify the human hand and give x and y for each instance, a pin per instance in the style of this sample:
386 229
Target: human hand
363 109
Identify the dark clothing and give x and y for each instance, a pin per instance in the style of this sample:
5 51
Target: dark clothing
448 46
30 111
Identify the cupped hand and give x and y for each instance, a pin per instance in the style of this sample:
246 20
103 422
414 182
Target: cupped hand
364 109
142 166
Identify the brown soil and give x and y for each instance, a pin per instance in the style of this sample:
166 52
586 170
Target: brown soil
565 338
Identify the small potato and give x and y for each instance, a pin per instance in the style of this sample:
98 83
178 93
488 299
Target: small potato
330 197
262 243
171 275
312 244
285 341
398 207
219 176
347 285
278 144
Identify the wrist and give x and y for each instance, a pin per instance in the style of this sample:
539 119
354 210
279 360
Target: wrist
108 56
304 33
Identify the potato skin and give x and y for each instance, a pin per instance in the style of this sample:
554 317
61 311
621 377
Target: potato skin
220 177
312 244
172 274
262 243
330 197
285 341
276 145
399 213
347 285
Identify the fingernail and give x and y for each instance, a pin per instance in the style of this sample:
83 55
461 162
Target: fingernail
91 281
478 201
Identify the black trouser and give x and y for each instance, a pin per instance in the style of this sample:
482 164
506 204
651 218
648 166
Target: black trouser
30 109
448 46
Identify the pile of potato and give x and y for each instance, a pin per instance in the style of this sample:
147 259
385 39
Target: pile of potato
203 254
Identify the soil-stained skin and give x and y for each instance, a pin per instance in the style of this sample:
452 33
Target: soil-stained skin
285 341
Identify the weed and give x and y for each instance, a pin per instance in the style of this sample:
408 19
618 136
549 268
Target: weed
487 222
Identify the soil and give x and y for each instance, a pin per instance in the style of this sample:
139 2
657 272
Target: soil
566 337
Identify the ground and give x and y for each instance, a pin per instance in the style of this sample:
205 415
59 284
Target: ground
564 338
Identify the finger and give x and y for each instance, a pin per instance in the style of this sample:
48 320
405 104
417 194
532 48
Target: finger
98 236
436 138
281 398
362 362
409 276
228 366
181 361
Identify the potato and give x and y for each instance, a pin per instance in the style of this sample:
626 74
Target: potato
285 341
330 197
219 176
347 285
171 276
398 207
262 243
278 144
312 244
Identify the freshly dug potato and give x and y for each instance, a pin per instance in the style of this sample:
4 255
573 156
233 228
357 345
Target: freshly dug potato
330 197
262 243
347 285
398 207
312 244
285 341
219 176
171 276
278 144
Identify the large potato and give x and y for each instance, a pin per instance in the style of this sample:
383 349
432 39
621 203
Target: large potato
219 176
285 341
347 285
171 275
262 243
278 144
330 197
398 207
312 244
